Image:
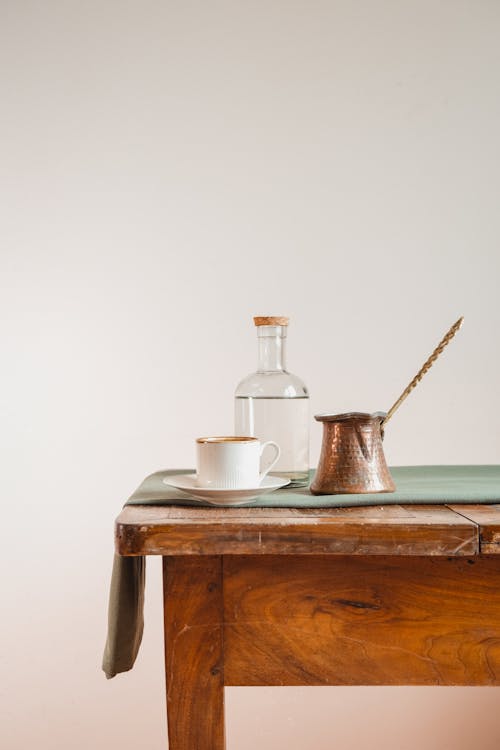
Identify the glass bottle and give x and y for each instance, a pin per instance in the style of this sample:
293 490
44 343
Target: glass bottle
273 404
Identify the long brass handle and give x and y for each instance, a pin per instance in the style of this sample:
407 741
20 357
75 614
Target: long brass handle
425 367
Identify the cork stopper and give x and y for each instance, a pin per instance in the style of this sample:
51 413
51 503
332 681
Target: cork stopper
276 320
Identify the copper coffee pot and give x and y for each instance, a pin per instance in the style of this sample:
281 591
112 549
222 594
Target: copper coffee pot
352 457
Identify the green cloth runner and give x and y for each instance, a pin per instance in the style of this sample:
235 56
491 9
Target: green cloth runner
414 484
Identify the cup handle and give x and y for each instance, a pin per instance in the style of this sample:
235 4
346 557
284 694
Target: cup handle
273 462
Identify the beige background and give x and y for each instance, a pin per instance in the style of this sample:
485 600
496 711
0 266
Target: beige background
169 169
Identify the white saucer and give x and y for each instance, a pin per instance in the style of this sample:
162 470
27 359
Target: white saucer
187 483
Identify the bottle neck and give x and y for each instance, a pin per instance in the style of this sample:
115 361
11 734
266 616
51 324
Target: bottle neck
272 348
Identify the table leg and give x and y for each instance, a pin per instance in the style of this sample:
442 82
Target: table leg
193 618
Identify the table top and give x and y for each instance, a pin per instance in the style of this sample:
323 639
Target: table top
449 530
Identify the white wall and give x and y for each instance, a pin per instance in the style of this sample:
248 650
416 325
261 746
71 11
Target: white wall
167 171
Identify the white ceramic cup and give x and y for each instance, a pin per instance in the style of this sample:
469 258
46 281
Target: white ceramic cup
232 462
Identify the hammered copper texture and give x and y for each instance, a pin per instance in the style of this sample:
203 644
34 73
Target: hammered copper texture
352 457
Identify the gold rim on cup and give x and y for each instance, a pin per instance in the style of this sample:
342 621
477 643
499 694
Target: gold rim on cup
226 439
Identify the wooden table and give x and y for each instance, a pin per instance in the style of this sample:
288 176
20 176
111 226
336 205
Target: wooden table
395 595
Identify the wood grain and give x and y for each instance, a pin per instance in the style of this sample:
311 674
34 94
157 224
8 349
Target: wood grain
192 590
362 621
374 530
487 518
